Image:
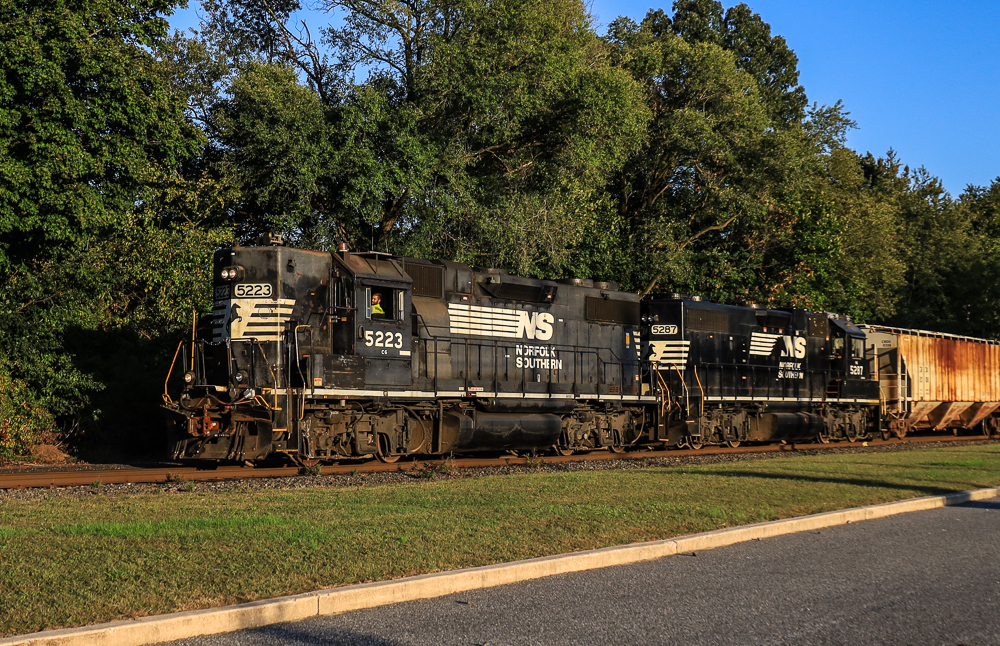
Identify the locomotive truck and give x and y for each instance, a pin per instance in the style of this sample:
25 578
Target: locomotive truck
323 356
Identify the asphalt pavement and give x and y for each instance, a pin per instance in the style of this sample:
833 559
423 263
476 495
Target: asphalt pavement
922 578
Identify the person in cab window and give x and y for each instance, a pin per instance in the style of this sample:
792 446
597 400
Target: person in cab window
377 305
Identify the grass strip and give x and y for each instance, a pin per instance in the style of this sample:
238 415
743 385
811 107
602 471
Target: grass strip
75 561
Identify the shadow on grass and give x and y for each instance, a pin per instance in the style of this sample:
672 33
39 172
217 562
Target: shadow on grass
929 490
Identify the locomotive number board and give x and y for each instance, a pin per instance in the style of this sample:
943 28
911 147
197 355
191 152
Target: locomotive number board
253 290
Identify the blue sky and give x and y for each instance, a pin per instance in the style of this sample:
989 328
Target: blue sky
920 77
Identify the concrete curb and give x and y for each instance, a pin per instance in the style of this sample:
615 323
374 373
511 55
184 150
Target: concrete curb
181 625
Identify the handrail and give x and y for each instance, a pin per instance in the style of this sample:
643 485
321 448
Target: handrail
579 354
298 366
806 382
274 379
665 388
166 395
702 389
687 397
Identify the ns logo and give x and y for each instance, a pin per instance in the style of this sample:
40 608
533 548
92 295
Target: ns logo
795 346
534 325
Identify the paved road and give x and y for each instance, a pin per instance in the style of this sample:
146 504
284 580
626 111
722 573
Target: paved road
928 577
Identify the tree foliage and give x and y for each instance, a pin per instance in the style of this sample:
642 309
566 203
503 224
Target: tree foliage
93 236
483 131
86 120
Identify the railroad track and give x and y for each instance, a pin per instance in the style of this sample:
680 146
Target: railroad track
213 472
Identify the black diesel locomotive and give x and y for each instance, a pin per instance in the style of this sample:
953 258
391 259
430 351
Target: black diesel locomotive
323 356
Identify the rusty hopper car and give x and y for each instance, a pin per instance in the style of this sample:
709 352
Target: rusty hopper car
324 355
936 381
730 374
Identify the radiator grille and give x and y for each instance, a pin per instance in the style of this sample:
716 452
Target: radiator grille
427 280
609 311
706 321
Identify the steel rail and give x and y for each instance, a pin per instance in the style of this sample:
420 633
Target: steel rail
214 472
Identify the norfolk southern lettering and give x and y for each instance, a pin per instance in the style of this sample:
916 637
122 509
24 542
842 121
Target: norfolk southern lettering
540 357
790 370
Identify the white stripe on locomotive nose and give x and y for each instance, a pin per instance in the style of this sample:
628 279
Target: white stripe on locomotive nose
762 343
264 318
482 321
672 354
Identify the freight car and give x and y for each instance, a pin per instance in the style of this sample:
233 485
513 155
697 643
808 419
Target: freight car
325 356
936 381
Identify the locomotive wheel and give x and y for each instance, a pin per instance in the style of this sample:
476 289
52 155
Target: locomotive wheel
693 444
733 443
616 448
558 450
885 434
383 449
307 463
822 438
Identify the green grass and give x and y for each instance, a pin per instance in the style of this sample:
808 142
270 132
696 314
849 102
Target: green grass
72 561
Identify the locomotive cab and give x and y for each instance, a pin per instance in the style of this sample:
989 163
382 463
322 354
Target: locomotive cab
851 362
381 333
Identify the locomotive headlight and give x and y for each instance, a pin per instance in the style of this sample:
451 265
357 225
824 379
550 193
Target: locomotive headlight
241 379
225 273
189 377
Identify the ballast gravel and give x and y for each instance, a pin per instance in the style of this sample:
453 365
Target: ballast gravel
442 471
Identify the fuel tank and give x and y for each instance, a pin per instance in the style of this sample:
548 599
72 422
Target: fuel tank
785 426
481 431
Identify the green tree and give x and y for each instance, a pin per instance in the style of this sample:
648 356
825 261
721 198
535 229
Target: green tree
767 58
937 244
100 236
741 193
706 161
24 422
533 119
838 250
86 120
483 131
981 207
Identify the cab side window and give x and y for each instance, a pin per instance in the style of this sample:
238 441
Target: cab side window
384 303
377 304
